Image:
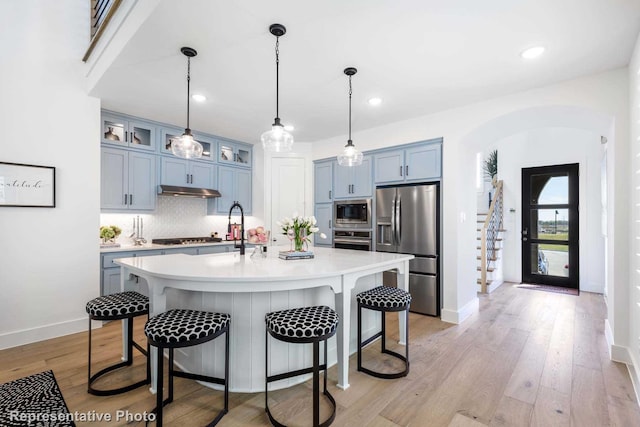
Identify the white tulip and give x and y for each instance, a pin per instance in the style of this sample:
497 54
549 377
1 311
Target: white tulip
323 236
314 229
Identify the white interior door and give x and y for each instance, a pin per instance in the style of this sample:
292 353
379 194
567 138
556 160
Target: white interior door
288 176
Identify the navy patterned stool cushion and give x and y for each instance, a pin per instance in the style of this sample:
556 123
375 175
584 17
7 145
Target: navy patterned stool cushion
118 305
183 326
384 297
303 323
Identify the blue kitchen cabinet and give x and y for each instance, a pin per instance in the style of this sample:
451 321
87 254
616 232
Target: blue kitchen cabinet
234 185
323 178
187 173
234 153
352 182
169 134
110 279
423 162
419 162
127 180
125 131
324 217
389 166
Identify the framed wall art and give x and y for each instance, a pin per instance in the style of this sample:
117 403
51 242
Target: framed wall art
27 185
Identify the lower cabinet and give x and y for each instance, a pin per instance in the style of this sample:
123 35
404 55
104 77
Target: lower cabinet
324 218
110 278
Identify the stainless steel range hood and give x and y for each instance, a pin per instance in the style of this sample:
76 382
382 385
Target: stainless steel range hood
171 190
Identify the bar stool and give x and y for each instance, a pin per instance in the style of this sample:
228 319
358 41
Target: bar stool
301 326
179 328
384 299
119 306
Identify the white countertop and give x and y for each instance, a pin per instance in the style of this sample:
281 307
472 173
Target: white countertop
233 267
152 246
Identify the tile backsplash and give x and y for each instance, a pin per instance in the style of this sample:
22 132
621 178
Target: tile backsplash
176 217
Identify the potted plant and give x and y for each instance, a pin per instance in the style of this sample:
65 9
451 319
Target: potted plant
490 167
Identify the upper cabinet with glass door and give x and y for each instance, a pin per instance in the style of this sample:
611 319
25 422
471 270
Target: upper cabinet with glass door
127 131
168 134
234 153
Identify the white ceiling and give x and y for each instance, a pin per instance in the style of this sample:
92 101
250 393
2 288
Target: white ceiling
419 56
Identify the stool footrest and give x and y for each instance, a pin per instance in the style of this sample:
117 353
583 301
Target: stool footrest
198 377
293 373
368 340
111 392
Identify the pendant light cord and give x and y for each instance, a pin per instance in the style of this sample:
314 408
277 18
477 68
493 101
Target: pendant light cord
277 76
350 92
188 88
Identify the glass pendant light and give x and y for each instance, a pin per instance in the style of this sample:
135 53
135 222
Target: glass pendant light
186 146
277 139
350 156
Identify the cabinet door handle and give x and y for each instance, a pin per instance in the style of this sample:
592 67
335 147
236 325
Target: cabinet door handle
125 199
329 224
192 178
400 170
131 199
406 170
329 194
126 137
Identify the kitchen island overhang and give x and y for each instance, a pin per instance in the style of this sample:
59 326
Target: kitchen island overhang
248 288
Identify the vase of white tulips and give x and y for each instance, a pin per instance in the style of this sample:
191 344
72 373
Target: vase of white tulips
299 230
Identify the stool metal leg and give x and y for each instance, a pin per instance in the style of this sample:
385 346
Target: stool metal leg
226 371
127 362
384 349
160 381
316 383
359 336
171 373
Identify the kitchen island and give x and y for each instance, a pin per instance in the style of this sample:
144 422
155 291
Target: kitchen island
249 287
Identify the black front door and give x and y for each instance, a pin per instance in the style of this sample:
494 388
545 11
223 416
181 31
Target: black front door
550 225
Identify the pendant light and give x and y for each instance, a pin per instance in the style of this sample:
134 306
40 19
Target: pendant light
350 156
277 139
186 146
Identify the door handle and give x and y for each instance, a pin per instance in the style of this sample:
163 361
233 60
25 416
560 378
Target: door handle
329 224
125 199
131 199
400 170
329 194
126 137
406 170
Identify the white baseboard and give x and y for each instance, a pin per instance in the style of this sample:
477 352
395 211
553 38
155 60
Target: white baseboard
54 330
622 354
494 285
457 317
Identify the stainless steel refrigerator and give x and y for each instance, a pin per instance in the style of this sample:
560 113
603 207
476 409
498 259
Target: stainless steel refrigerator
407 221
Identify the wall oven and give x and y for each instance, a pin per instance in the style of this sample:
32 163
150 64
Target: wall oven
352 214
355 240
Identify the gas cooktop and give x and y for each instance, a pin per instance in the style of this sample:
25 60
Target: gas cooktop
186 240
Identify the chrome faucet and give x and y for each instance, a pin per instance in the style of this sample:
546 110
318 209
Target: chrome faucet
235 245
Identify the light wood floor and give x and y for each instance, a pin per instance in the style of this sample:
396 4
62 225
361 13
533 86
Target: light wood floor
526 358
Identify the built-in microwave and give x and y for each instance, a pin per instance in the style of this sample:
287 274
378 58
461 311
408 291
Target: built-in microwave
352 214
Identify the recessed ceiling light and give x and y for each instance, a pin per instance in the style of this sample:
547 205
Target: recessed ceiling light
532 52
198 97
289 128
375 101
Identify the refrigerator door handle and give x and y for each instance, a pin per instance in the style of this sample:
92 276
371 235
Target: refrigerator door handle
397 218
393 222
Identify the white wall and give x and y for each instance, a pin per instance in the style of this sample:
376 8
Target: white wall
48 256
596 103
545 147
634 282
